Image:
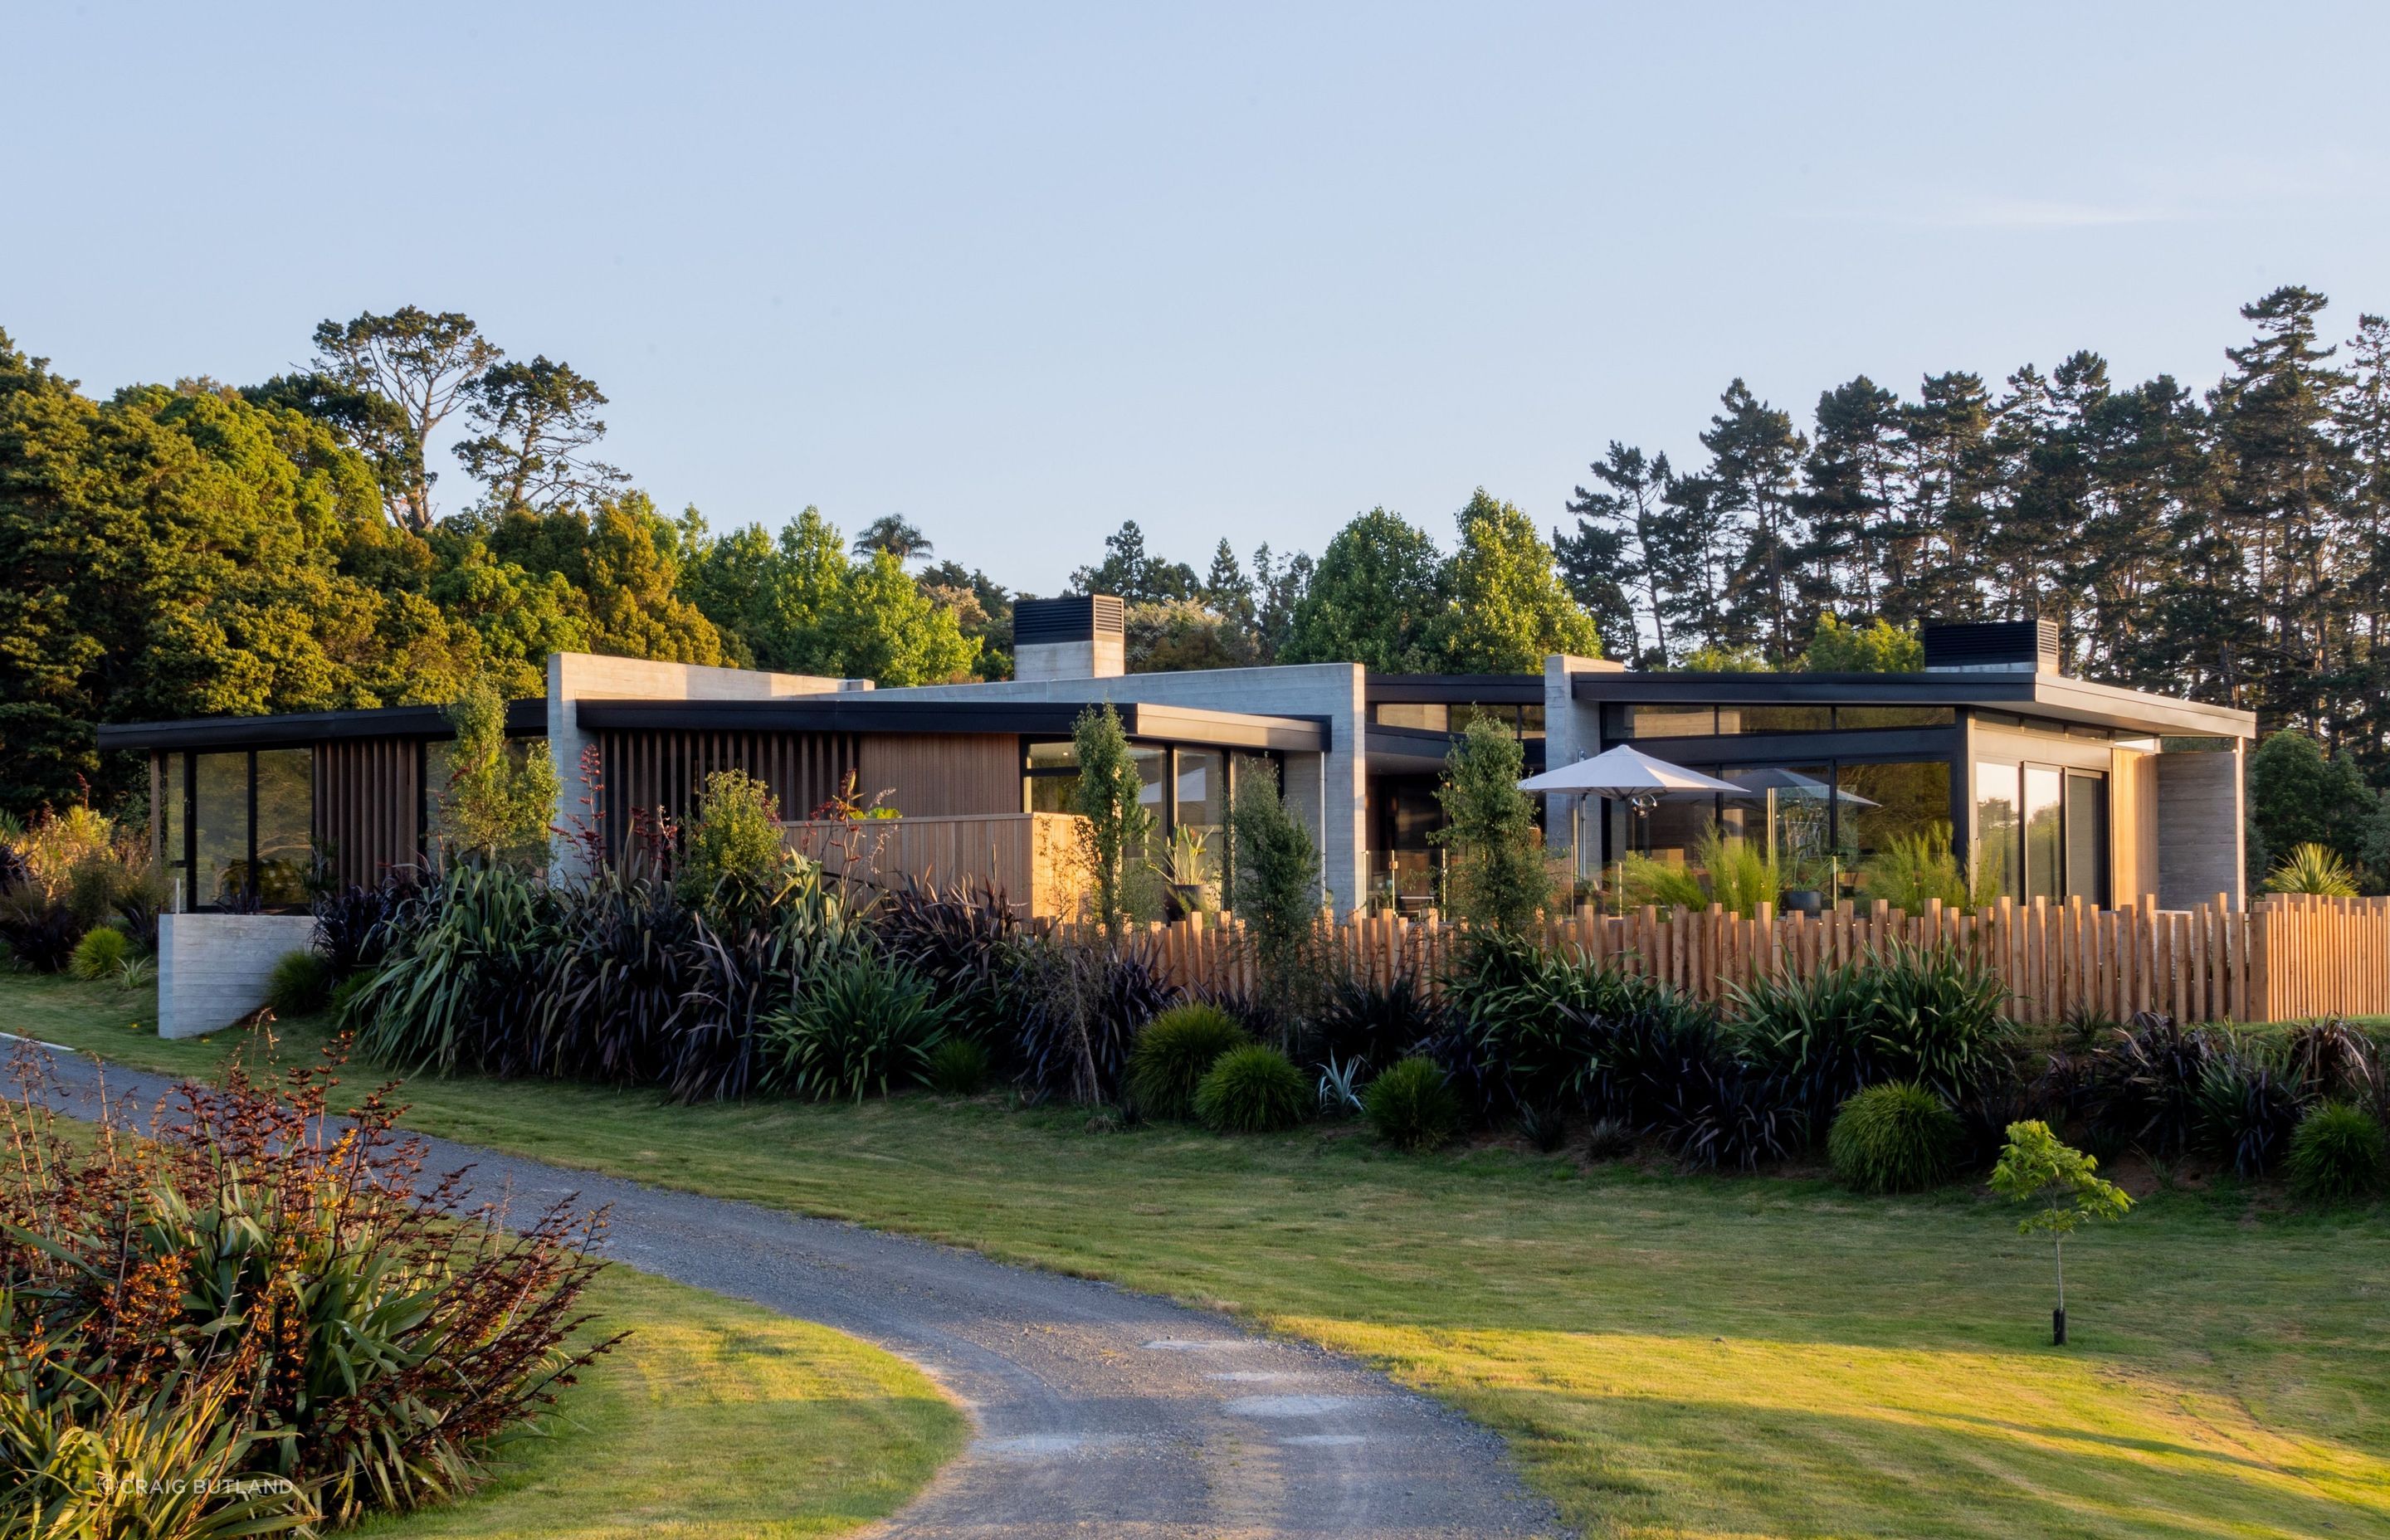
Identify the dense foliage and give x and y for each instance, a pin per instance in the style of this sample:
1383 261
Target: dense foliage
1253 1089
1894 1137
1174 1052
238 1293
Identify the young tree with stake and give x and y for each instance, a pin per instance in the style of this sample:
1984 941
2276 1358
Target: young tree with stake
2038 1167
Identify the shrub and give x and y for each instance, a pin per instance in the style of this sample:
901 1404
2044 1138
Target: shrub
1609 1139
15 871
1912 870
1082 1006
1527 1026
100 954
960 940
2312 869
1274 873
958 1066
301 985
860 1024
245 1291
736 861
616 981
1374 1024
2336 1154
1895 1137
1253 1090
1939 1020
1494 856
350 929
41 935
1412 1105
2249 1103
461 986
2143 1087
498 803
1174 1052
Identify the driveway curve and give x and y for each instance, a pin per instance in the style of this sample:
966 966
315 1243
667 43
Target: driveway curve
1097 1411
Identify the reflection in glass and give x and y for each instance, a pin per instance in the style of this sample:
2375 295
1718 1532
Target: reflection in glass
1774 719
2045 848
285 802
1790 810
220 814
1204 801
1878 803
1671 722
1853 717
1425 716
174 855
2086 838
1999 799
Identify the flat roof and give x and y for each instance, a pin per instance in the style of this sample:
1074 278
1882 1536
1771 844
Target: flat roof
856 712
1454 689
524 719
2055 696
864 712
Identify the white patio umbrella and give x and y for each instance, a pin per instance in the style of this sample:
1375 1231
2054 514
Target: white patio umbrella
1629 773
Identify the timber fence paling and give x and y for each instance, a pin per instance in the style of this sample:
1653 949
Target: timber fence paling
2289 956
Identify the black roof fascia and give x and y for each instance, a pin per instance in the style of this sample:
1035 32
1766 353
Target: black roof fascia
861 713
1428 750
2047 695
524 719
1453 689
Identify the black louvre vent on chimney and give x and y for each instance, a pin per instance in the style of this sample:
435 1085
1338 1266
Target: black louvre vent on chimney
1072 618
2018 645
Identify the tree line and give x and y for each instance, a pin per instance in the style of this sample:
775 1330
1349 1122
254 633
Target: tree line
200 548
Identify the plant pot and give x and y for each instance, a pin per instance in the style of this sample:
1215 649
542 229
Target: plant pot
1189 896
1803 901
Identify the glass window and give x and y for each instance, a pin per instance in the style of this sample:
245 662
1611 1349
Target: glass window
2086 838
220 817
2044 834
1427 717
1857 717
1774 719
1999 802
1203 791
173 822
1053 756
1875 804
1790 811
1054 794
286 805
1671 722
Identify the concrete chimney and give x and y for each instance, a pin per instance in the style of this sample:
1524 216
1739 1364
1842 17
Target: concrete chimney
1992 646
1079 636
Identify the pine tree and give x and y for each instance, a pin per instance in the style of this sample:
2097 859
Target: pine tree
1610 554
1754 453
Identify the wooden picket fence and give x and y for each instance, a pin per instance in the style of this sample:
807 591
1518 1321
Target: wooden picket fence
2283 960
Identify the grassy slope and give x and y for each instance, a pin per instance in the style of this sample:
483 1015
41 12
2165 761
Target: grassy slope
1670 1355
805 1431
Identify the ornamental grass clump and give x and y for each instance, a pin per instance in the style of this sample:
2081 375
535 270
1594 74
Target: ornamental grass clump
1895 1138
2337 1155
1253 1090
100 954
271 1323
958 1066
1174 1052
300 985
859 1025
1412 1105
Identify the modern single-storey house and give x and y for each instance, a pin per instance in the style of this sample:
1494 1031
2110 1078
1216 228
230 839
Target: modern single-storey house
2066 787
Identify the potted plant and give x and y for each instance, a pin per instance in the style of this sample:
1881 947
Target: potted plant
1183 870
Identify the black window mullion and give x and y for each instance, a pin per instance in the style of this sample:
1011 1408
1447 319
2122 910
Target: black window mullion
249 879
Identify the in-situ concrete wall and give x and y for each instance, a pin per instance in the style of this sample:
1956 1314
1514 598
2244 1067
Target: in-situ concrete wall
212 970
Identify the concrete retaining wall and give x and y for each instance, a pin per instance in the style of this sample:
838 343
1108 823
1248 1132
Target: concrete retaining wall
212 970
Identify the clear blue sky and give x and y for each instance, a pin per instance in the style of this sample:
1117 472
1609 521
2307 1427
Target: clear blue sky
1021 273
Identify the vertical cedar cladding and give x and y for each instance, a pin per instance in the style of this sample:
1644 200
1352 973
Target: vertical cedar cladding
370 805
652 769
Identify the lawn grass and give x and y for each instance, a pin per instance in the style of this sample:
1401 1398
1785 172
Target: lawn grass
803 1432
1669 1355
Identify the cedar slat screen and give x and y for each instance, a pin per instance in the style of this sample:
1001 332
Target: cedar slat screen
368 806
666 770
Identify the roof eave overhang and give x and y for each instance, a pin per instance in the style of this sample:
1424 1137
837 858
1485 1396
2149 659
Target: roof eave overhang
524 719
2054 695
862 713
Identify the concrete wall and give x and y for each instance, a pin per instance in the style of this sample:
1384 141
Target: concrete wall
2201 826
212 970
586 676
1328 792
1571 732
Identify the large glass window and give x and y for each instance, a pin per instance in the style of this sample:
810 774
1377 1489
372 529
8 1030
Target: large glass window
2086 838
1669 721
1775 719
1789 809
285 804
1427 716
1999 801
1202 791
1875 804
2045 844
220 818
1850 718
173 824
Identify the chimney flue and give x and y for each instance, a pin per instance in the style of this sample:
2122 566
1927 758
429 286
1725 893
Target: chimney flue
1078 636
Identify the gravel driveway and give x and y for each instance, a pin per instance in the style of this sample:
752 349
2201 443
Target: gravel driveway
1097 1411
